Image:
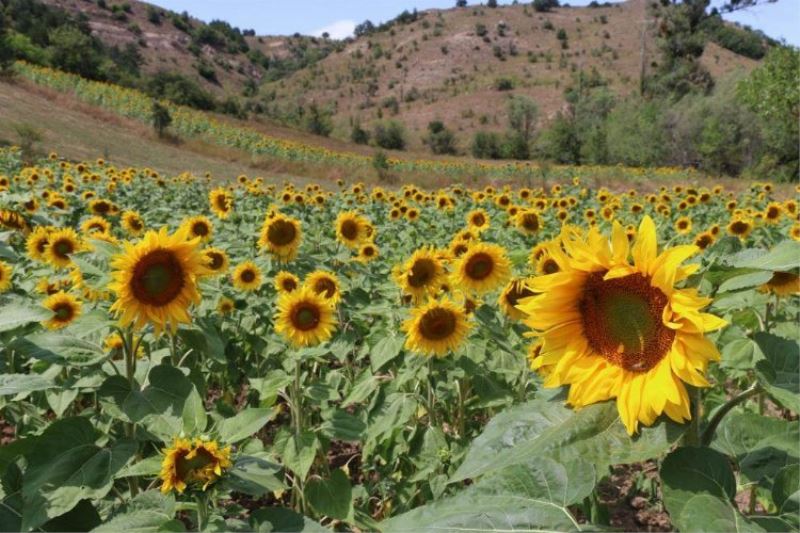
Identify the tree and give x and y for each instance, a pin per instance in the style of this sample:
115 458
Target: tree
487 145
491 3
440 139
461 3
161 118
318 121
6 51
358 134
542 6
522 115
74 51
390 135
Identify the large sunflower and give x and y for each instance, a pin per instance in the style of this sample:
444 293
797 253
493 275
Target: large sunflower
422 274
612 329
326 284
156 280
221 202
65 307
247 276
304 317
62 243
351 228
281 236
187 463
482 268
5 276
436 328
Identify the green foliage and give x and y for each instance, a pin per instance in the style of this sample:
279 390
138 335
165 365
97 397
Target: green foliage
358 134
543 6
161 118
180 90
390 135
440 139
318 120
523 114
741 41
486 145
504 84
636 134
74 51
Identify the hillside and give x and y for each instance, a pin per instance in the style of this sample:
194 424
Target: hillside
449 64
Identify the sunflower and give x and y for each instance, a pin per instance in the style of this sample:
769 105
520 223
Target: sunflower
65 307
221 202
36 243
198 227
794 232
101 207
780 284
326 284
305 317
132 223
95 224
704 240
225 305
478 220
610 328
199 463
528 221
436 328
367 252
351 228
740 227
247 276
421 274
683 225
286 281
773 213
482 268
156 280
62 244
5 276
514 291
281 236
216 260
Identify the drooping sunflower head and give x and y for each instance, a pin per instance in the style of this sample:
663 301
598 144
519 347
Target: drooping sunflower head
326 284
199 463
351 228
305 317
286 282
155 280
216 260
612 328
132 223
515 291
421 274
247 276
65 307
5 276
61 245
781 284
221 202
198 227
281 235
482 268
436 328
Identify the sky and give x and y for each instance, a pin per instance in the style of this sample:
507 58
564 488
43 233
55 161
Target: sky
780 20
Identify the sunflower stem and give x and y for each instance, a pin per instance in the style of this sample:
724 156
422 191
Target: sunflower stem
130 374
202 512
708 434
692 437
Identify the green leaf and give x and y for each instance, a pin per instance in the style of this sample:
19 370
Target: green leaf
761 445
299 451
194 413
396 410
538 427
15 314
779 371
385 350
530 496
276 519
741 354
61 349
365 385
706 513
341 425
783 257
66 466
750 279
149 512
148 467
786 490
204 338
245 424
13 384
254 476
331 497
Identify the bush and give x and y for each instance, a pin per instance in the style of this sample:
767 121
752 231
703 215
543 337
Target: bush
504 84
359 135
390 135
153 15
440 139
207 71
487 145
515 146
74 51
160 118
542 6
481 29
180 90
318 121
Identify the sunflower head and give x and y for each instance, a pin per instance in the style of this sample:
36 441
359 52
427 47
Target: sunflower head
61 245
478 219
225 305
436 328
281 236
247 276
132 223
683 225
197 463
514 292
351 228
305 317
216 260
528 221
781 284
198 227
421 274
740 227
482 268
221 202
65 307
367 252
286 282
325 284
5 276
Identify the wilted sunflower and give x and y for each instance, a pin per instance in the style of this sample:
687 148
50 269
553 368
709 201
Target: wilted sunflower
612 329
326 284
514 291
421 275
436 328
221 202
281 236
156 280
247 276
132 223
304 317
351 228
367 252
216 260
478 219
65 307
482 268
187 463
5 276
286 281
782 284
198 227
62 243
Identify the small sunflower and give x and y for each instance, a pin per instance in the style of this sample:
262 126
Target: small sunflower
198 227
773 213
198 463
65 307
36 243
62 244
247 276
615 329
528 221
351 228
436 328
326 284
478 220
704 240
132 223
286 282
221 202
5 276
482 268
514 292
225 305
281 236
422 274
367 252
740 227
305 317
216 260
95 224
156 280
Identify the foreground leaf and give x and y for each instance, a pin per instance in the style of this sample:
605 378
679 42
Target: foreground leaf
779 371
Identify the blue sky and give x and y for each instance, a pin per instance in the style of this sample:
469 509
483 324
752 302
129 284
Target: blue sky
338 17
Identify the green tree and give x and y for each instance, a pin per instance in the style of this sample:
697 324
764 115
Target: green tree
318 121
390 135
522 116
440 139
6 52
74 51
487 145
160 118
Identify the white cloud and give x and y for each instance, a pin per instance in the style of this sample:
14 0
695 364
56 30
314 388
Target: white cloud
337 30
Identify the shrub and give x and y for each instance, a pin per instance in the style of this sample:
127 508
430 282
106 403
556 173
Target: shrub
160 117
504 84
487 145
440 139
318 121
390 135
358 134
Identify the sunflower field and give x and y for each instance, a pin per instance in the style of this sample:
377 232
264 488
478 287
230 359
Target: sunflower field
181 353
